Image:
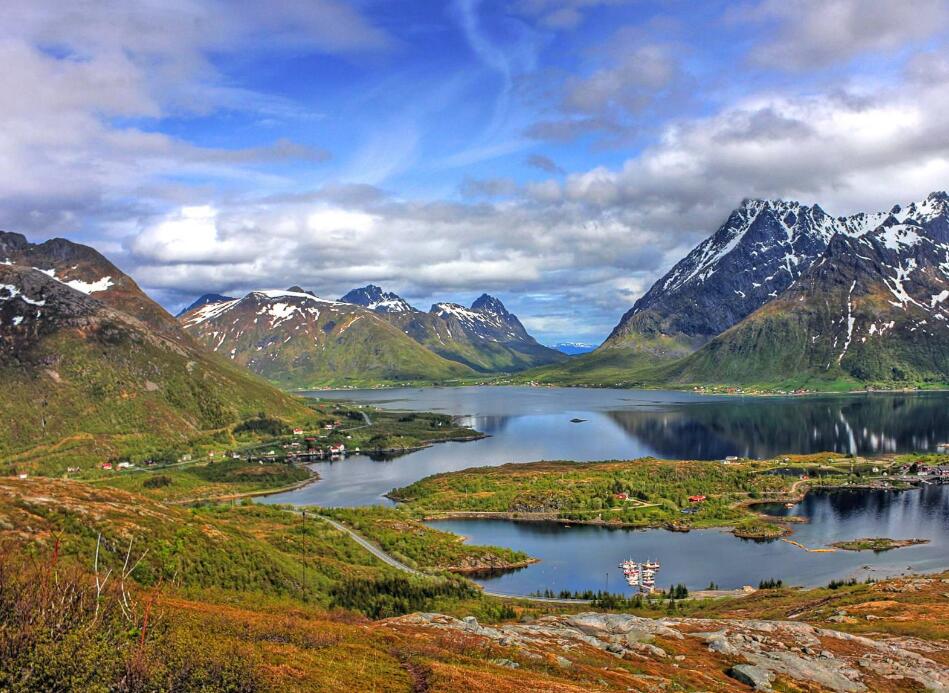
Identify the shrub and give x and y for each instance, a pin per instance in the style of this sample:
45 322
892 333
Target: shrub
157 481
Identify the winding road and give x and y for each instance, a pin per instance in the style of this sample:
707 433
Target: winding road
399 565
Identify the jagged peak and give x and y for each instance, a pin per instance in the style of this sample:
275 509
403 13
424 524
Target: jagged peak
485 303
203 300
758 204
374 297
447 305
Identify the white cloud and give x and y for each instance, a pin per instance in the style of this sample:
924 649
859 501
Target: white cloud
814 33
82 83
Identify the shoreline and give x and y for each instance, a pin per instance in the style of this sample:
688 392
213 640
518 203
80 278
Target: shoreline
247 494
783 521
644 388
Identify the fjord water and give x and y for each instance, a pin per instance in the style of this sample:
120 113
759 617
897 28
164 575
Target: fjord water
526 424
577 558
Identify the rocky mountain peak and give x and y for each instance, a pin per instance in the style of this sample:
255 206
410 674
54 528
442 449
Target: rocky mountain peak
11 243
204 300
486 303
375 298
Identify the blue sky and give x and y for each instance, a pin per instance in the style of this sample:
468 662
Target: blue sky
561 154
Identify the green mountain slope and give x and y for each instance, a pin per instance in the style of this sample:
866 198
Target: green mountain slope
298 340
872 311
83 380
485 337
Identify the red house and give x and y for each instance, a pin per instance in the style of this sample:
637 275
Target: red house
696 499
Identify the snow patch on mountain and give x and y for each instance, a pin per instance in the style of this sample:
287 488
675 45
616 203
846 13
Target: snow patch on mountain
14 292
102 284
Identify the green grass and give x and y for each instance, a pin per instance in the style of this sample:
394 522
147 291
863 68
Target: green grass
420 546
206 479
124 395
658 491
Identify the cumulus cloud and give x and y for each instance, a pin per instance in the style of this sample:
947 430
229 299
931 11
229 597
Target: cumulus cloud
84 93
814 33
591 243
83 84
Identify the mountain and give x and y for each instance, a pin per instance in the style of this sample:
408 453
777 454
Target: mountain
91 367
762 248
485 337
297 339
874 308
204 300
574 348
735 309
374 298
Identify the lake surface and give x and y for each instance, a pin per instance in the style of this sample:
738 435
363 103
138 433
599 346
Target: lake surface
527 424
577 558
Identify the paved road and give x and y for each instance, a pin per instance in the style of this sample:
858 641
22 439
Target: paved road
371 548
399 565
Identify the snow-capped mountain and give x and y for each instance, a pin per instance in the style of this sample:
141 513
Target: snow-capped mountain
204 300
487 319
374 298
753 257
85 270
573 348
485 336
298 339
873 308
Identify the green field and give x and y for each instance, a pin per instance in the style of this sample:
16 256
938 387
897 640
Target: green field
638 493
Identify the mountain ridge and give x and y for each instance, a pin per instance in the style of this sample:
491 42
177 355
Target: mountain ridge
484 336
898 265
93 368
761 248
299 340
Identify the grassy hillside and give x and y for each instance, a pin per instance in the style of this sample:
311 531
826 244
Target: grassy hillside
216 599
818 336
87 397
363 353
416 544
84 381
605 367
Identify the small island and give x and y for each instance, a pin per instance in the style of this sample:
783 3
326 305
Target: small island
877 544
759 530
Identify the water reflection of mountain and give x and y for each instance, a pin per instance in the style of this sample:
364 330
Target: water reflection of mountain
766 427
491 425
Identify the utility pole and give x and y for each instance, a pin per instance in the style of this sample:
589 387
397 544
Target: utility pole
304 557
